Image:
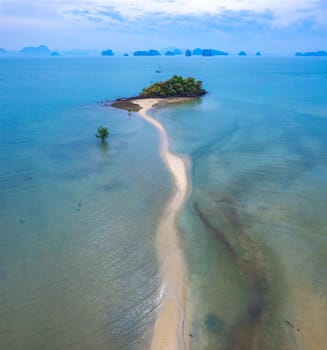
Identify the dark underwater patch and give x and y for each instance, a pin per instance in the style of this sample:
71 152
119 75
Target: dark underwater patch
213 323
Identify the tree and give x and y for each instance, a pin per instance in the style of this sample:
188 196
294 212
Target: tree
176 86
102 133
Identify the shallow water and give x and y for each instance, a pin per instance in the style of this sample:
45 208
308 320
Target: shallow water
254 228
77 265
78 220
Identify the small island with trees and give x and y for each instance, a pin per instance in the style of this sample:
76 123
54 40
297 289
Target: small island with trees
176 87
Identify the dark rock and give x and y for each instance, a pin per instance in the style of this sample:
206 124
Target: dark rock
126 105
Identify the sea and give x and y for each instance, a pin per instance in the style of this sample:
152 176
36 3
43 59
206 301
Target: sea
78 266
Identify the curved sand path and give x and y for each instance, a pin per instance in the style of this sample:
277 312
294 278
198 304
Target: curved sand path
169 327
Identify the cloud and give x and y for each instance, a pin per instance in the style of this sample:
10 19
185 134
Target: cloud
240 22
284 11
104 14
228 23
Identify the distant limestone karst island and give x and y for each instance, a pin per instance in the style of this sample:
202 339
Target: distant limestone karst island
312 54
108 52
176 87
44 51
150 52
41 50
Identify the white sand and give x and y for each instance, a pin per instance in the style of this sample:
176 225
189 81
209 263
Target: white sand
169 327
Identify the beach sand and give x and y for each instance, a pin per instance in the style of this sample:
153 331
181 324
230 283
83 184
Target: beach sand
169 329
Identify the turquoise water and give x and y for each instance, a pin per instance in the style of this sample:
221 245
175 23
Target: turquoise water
77 264
78 219
255 226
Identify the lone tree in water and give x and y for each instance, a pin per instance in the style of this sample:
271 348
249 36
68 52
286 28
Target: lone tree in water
102 133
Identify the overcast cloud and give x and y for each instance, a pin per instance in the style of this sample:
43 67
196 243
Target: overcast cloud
268 25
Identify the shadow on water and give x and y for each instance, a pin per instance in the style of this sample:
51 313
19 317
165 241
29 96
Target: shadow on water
104 149
247 258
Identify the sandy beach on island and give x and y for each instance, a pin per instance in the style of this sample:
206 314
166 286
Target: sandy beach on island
169 329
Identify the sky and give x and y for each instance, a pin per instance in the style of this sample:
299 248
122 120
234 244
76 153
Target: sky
272 26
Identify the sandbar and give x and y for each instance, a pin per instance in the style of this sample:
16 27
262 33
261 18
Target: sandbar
169 332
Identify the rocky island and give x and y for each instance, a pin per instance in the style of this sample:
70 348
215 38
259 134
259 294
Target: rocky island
176 87
108 52
150 52
41 50
312 54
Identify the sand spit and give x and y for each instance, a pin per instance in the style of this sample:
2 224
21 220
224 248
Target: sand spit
169 327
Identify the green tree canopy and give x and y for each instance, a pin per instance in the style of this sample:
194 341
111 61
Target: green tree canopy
176 86
102 133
